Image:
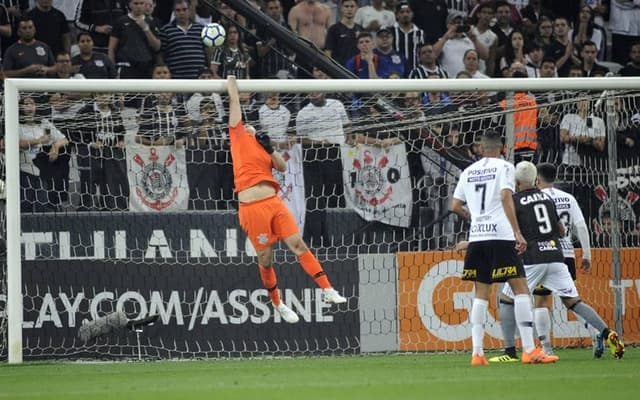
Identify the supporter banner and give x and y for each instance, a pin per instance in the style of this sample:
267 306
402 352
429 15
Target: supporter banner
435 304
377 183
214 310
157 178
292 183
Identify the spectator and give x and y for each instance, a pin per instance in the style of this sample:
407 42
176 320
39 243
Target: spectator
590 66
407 37
525 120
431 17
375 16
182 48
98 18
41 145
436 102
549 112
5 28
513 50
532 15
64 68
342 38
310 19
274 59
322 125
533 59
28 58
51 26
624 23
90 64
544 32
484 14
428 64
587 31
389 60
209 162
193 104
165 123
134 42
16 9
150 101
472 64
633 66
101 156
503 26
581 131
232 58
627 123
365 63
561 48
451 47
275 120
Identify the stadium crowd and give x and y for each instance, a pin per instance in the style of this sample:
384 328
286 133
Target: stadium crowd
419 39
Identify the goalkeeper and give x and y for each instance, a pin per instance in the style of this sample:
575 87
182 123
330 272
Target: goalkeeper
264 217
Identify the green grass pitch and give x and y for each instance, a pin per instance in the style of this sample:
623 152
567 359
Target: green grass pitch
423 376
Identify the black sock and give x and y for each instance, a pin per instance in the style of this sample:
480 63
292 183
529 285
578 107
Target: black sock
510 351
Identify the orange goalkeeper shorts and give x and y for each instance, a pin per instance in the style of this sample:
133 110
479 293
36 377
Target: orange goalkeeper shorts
266 221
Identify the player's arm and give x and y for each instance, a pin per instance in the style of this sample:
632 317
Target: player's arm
457 207
278 162
506 198
235 112
561 229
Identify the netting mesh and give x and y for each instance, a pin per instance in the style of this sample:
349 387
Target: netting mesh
127 205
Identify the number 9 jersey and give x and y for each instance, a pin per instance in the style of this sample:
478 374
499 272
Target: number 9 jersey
538 220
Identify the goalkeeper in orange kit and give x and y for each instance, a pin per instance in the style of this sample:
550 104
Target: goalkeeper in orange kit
263 215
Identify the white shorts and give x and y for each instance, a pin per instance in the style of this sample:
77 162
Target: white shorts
553 276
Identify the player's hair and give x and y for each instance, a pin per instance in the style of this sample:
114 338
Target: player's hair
547 172
491 140
526 173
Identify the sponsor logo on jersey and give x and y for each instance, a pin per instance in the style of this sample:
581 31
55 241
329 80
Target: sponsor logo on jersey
532 198
469 274
484 228
504 272
550 245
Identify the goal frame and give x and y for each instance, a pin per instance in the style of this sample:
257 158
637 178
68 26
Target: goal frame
13 88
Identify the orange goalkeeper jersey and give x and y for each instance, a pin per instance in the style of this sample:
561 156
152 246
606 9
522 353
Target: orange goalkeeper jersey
251 163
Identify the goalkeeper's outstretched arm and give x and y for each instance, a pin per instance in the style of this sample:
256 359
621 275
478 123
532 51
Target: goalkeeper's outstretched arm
235 112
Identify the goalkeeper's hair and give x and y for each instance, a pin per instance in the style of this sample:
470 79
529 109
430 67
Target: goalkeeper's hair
547 172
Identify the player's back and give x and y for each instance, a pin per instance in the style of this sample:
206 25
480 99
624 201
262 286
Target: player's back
480 186
569 214
536 214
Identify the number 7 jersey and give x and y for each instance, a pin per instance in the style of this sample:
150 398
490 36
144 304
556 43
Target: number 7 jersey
480 186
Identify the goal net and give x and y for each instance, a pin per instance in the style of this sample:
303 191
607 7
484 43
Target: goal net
126 211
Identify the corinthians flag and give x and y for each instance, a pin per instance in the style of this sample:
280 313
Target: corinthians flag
377 184
157 178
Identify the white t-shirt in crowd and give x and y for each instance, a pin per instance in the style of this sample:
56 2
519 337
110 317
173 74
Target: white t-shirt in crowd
28 132
488 38
275 122
365 15
323 123
453 53
576 126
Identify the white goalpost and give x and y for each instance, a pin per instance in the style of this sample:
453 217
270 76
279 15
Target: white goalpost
371 305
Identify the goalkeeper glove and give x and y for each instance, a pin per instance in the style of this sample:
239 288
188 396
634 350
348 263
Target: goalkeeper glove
265 142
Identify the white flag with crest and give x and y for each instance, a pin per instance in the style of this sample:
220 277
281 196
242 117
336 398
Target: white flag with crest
377 183
157 178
